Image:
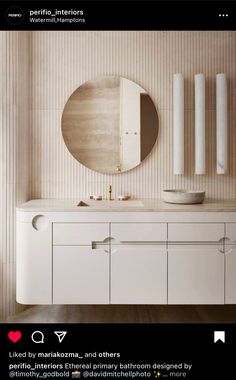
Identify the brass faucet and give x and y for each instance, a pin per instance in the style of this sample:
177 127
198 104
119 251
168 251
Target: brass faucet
110 193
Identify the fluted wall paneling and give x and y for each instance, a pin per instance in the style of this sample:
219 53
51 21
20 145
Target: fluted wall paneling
14 154
62 61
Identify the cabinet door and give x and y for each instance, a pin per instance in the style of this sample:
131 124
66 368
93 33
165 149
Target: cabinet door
80 275
195 274
230 274
138 274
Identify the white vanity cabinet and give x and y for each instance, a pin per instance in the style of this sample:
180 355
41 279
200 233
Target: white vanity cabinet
153 256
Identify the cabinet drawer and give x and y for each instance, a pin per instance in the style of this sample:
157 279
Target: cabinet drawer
79 233
139 232
187 232
230 232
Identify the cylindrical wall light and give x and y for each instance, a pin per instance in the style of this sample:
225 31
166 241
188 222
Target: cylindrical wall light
200 154
178 123
221 124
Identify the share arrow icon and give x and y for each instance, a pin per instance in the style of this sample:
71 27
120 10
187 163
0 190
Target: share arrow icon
61 335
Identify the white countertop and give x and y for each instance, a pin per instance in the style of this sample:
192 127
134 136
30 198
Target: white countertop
152 205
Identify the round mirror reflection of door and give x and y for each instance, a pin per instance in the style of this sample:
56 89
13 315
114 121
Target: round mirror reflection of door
110 124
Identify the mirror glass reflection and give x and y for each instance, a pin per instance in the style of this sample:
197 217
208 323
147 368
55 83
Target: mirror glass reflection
110 124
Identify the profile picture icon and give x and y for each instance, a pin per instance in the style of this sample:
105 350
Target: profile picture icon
14 15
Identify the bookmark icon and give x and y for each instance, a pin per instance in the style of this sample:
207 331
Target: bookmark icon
61 335
219 336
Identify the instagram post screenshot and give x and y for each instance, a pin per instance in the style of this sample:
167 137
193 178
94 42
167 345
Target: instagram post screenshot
117 189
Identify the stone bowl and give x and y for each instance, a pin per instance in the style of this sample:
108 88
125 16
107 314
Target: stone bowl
187 197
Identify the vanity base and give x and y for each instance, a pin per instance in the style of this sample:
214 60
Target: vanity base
130 257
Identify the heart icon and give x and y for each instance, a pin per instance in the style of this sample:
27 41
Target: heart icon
14 336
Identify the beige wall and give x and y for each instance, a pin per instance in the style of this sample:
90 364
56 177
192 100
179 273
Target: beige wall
62 61
14 154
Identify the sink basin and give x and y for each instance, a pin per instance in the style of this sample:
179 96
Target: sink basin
183 196
125 204
111 204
